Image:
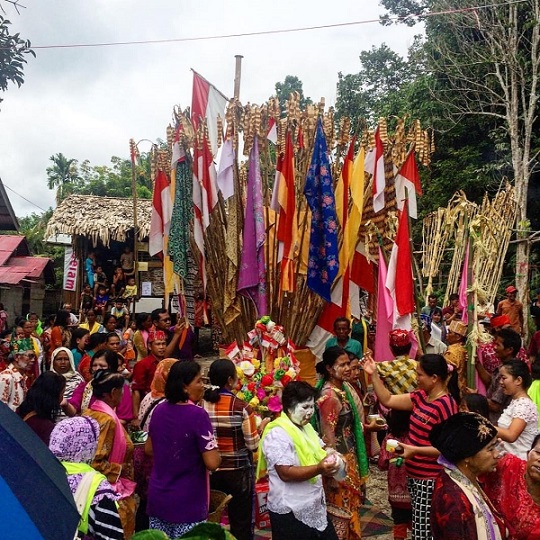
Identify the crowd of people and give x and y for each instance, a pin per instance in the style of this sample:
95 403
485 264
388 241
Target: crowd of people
144 437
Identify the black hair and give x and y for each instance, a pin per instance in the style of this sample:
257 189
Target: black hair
110 335
110 357
342 319
105 381
44 396
156 313
398 422
96 339
453 296
433 295
77 333
400 350
518 368
477 403
535 440
435 364
108 317
140 319
219 373
535 369
510 339
62 318
329 358
91 310
180 375
437 311
296 392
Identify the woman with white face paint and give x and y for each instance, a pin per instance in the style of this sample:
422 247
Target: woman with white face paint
295 459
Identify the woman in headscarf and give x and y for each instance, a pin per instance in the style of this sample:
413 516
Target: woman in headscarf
63 364
114 455
459 507
74 442
82 397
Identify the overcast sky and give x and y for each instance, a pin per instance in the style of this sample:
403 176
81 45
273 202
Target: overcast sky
88 102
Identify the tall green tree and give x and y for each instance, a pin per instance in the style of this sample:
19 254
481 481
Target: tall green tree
487 66
14 51
60 174
289 86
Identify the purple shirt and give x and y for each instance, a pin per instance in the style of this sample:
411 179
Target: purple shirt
178 489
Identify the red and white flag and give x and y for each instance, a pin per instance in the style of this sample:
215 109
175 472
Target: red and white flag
160 221
374 165
207 102
232 350
408 184
272 131
399 280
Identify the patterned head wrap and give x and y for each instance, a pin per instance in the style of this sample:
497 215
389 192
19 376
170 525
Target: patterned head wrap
462 435
21 346
399 338
160 377
156 335
70 357
75 439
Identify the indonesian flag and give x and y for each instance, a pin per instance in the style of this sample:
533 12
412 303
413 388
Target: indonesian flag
374 165
272 131
399 280
161 214
408 184
285 202
207 102
232 350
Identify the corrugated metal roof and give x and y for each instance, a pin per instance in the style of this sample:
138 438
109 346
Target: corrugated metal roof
33 266
9 244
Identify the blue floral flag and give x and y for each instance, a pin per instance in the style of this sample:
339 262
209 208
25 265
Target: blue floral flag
323 265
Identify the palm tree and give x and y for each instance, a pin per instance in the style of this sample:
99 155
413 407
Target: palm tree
64 171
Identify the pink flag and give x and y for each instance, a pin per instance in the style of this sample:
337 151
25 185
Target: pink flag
374 165
160 221
408 185
463 304
385 311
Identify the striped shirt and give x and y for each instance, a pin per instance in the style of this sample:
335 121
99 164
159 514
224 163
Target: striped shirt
235 429
424 416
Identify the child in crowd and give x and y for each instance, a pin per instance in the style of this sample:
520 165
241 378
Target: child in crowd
131 291
118 282
398 493
130 354
89 264
121 312
475 403
127 262
101 301
87 300
100 280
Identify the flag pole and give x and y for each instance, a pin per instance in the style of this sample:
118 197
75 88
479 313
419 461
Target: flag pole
416 282
237 75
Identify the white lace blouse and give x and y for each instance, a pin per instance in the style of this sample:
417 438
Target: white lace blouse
304 499
525 409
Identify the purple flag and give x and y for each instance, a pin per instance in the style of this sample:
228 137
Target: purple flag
463 303
252 278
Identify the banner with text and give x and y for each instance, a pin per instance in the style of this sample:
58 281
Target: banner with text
71 267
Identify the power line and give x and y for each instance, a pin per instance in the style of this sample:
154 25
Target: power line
271 32
23 197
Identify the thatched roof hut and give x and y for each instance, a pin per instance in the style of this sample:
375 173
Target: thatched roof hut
100 218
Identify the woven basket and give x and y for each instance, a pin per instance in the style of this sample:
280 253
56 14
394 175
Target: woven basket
341 519
218 503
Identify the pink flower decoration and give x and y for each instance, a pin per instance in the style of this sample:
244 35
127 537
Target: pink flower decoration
261 394
274 404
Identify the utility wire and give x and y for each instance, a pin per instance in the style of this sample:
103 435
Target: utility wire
23 197
271 32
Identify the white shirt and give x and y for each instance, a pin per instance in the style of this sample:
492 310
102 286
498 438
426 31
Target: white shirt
304 499
435 346
526 409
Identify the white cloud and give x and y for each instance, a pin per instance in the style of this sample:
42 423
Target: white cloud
88 102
